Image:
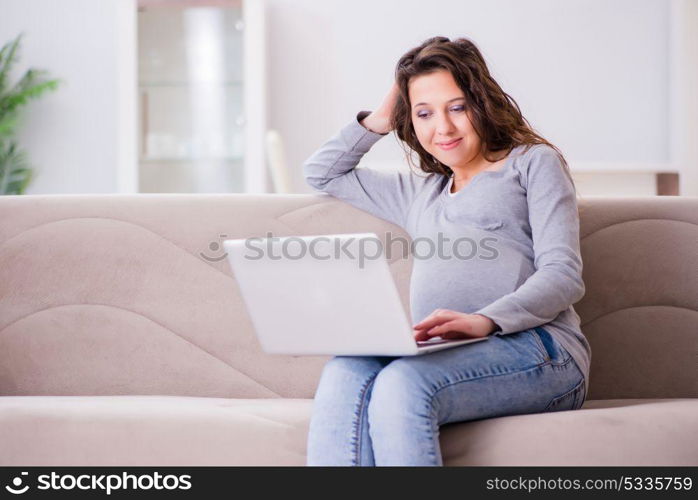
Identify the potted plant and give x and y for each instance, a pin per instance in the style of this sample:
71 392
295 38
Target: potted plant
15 173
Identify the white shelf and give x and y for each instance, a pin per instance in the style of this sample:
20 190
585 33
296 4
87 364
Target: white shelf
199 70
629 168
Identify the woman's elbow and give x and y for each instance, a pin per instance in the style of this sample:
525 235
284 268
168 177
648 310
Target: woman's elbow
572 287
578 290
314 181
568 280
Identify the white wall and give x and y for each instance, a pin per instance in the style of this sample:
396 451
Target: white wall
602 80
80 138
592 76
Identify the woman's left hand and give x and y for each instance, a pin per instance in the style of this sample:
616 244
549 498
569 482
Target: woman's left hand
449 324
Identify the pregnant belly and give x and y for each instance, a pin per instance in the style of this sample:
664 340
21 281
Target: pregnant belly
465 284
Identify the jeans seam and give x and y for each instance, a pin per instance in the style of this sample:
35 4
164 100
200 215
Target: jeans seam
579 399
566 362
577 389
468 379
434 418
357 426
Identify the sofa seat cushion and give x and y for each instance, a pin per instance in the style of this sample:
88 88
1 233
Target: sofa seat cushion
614 432
172 430
152 430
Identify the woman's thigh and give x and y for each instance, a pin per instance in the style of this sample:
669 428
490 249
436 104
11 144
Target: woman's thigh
517 373
346 378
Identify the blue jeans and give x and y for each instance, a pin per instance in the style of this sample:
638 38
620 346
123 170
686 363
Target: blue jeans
382 410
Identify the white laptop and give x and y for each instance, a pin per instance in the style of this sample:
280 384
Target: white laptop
325 295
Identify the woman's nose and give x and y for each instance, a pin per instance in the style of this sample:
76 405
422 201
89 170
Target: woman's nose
444 126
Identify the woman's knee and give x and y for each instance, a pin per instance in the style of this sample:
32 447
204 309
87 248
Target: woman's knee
349 371
399 388
355 364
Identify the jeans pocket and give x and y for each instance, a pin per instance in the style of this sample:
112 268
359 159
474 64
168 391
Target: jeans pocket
570 400
552 349
539 343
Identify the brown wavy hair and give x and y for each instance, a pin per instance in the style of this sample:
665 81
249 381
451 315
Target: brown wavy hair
495 115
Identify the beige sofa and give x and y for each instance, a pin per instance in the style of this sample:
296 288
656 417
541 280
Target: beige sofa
124 341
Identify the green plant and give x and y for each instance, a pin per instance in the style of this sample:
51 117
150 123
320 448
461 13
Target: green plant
15 173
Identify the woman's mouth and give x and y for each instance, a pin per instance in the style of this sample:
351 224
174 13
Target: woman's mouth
450 145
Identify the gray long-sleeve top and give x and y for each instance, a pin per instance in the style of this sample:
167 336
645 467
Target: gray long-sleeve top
510 237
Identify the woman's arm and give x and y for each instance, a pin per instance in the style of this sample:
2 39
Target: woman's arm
554 219
331 169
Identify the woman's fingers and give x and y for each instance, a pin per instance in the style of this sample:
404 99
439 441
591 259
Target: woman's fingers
444 323
421 335
451 329
436 318
438 330
442 329
380 120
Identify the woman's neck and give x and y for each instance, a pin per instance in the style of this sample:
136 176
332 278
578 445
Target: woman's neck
463 175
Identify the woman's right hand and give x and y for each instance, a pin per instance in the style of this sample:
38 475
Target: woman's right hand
379 120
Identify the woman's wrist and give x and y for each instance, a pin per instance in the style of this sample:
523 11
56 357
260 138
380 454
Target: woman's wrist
492 326
376 123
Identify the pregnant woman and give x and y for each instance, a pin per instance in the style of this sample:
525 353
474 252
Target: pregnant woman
483 173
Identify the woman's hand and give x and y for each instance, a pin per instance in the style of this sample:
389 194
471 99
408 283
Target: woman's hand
379 120
449 324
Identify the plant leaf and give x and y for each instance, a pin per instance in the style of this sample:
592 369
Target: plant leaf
8 57
15 174
8 124
30 86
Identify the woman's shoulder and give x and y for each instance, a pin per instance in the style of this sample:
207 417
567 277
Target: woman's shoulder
541 159
531 151
425 179
532 155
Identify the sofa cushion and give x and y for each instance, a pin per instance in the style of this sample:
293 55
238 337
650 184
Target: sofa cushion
180 431
152 430
621 432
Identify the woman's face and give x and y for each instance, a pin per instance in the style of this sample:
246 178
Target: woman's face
438 116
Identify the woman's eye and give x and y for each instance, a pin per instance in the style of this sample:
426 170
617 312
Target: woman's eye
455 108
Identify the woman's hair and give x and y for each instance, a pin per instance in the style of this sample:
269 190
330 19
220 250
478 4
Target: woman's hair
495 115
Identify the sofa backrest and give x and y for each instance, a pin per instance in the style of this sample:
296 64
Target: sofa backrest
640 309
132 294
